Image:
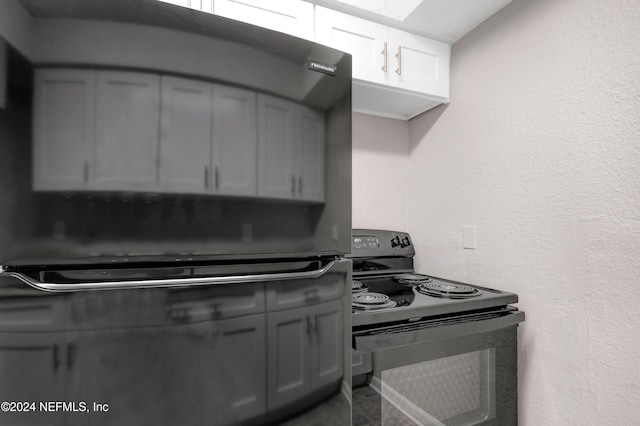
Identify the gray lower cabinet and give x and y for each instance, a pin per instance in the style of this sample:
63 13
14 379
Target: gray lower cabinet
22 361
229 356
214 370
101 366
304 351
242 368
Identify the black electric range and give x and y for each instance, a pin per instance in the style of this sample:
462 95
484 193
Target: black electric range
386 288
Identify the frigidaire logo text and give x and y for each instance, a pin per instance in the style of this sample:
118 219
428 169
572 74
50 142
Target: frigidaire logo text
323 68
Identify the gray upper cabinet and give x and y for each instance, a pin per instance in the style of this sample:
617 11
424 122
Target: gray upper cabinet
208 138
95 130
64 122
116 130
185 135
127 121
235 141
276 157
291 144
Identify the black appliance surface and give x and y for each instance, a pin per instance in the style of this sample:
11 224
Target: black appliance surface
140 131
427 350
383 263
176 207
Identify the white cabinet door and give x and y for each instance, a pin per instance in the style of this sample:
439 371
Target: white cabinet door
418 63
364 40
327 354
127 126
276 148
185 136
235 141
396 74
311 155
288 337
64 121
293 17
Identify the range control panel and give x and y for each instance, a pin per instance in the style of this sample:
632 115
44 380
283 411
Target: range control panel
380 243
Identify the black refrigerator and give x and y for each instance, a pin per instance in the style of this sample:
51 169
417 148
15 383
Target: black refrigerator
175 209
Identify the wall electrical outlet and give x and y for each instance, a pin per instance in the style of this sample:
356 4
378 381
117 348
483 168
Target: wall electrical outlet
469 237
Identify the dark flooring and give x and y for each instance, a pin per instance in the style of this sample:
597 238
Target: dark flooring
366 406
368 410
333 412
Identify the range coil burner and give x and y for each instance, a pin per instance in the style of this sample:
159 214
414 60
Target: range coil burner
368 301
412 279
358 287
448 290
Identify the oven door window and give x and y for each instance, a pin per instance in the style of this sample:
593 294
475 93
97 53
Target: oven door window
457 390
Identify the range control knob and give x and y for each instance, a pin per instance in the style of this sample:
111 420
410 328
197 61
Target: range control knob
405 242
395 241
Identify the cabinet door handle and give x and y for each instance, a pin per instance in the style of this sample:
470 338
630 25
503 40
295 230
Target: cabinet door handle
56 357
399 56
85 171
216 176
206 177
293 185
384 53
300 185
308 326
71 355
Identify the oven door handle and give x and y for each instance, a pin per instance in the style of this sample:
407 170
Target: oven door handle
176 282
375 342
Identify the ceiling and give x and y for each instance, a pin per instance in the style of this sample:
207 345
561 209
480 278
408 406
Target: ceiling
444 20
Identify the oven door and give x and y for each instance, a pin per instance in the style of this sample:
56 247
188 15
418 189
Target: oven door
456 372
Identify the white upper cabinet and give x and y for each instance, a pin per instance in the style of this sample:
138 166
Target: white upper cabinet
418 64
396 74
363 39
293 17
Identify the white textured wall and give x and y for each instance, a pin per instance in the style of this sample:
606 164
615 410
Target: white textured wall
540 150
380 172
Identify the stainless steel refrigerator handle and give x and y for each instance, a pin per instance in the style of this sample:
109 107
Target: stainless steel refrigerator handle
174 282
